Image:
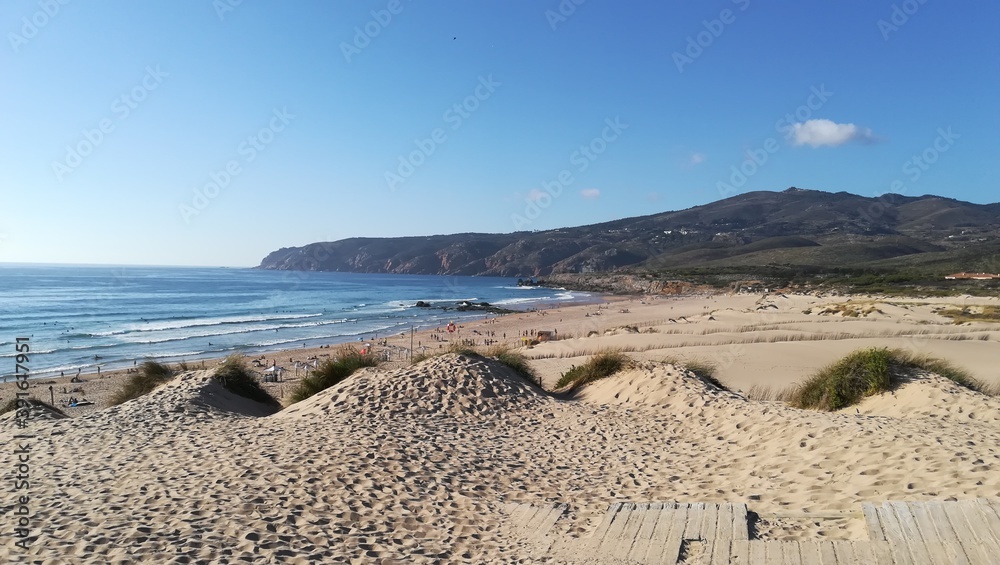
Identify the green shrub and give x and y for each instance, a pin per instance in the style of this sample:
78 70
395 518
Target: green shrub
866 372
332 371
151 375
600 365
516 362
943 368
234 375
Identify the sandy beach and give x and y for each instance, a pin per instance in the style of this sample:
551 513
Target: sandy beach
436 462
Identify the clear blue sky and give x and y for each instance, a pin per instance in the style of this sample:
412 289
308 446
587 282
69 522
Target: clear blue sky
316 109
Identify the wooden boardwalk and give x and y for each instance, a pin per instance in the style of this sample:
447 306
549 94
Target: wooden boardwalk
533 523
900 533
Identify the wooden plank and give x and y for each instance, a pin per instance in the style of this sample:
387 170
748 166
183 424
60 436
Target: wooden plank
604 526
911 532
678 526
936 550
990 518
739 553
946 531
827 554
774 553
882 553
709 523
977 522
741 525
758 552
990 504
661 533
533 524
925 523
809 551
845 552
894 535
518 513
626 539
527 516
721 548
621 520
790 553
863 551
695 513
643 538
965 535
875 532
553 517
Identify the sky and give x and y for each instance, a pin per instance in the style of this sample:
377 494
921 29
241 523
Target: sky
212 132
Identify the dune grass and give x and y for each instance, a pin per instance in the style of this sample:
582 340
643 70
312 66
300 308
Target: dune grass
867 372
458 349
12 405
600 365
151 375
704 370
987 313
332 371
516 362
455 348
502 353
238 379
765 393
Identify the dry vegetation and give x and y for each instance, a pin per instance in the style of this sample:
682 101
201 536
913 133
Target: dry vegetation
332 371
850 309
867 372
238 379
149 376
600 365
971 314
704 370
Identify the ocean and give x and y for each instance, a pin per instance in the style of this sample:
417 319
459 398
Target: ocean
85 317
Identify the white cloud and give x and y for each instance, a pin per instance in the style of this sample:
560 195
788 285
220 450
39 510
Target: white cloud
697 158
534 194
590 193
819 133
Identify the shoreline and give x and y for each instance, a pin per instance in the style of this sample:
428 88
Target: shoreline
98 367
97 386
751 344
447 459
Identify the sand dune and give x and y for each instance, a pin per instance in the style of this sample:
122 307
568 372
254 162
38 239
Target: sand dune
451 384
934 397
424 463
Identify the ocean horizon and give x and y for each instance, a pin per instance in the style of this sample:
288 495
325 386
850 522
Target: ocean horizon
83 317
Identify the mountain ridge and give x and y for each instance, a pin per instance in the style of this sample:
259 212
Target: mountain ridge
794 226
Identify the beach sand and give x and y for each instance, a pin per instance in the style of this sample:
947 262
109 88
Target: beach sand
423 463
